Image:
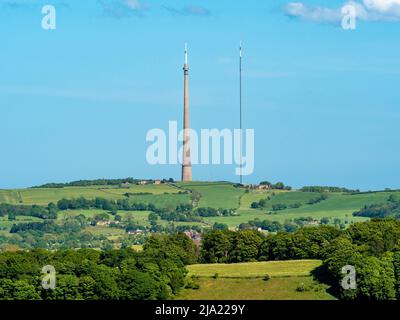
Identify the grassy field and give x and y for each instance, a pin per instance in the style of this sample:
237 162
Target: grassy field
43 196
245 281
162 200
216 194
256 289
6 225
255 269
338 205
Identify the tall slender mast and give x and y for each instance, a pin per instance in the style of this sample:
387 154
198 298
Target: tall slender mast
186 162
240 109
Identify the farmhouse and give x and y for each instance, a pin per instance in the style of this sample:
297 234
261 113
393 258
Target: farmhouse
103 223
194 235
137 231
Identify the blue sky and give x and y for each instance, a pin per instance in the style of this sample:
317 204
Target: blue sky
77 102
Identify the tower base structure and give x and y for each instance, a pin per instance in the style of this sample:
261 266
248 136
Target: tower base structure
186 173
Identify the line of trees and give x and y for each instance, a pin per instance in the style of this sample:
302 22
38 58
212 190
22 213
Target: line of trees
98 182
323 189
275 186
225 246
12 211
391 208
182 212
264 203
287 226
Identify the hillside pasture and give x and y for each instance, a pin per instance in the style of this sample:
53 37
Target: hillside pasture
162 200
255 269
246 281
43 196
216 194
338 205
257 289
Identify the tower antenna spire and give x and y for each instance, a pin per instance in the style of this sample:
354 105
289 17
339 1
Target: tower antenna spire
240 110
186 54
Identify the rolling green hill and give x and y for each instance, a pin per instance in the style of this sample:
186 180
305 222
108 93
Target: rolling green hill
338 205
212 194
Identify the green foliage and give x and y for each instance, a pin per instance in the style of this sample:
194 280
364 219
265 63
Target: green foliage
318 199
220 226
376 236
158 272
177 247
192 283
327 189
391 208
85 183
12 211
367 247
396 266
224 246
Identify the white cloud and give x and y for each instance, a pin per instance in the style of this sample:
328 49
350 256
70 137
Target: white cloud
122 8
382 5
312 13
133 4
367 10
188 10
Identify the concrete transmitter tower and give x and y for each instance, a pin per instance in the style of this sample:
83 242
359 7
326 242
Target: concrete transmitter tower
186 163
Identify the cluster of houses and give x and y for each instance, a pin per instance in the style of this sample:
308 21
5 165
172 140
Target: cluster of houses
194 235
143 182
136 232
103 223
258 186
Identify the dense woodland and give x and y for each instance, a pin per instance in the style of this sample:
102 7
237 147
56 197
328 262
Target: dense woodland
156 273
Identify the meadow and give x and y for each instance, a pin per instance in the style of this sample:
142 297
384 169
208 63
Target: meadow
255 269
288 280
338 205
43 196
216 194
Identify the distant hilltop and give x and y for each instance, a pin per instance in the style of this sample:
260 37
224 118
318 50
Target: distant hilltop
124 182
105 182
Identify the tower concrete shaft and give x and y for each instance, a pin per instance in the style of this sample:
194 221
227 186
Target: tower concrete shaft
186 162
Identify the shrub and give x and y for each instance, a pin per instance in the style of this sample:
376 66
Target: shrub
192 284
